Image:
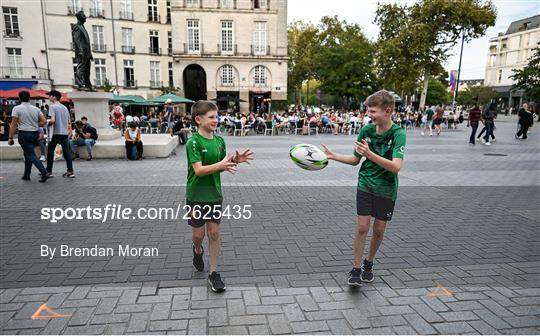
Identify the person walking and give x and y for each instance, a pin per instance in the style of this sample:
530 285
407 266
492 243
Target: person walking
525 121
28 119
439 113
428 121
474 118
60 119
489 116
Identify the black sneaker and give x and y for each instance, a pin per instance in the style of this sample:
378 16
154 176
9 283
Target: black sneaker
68 175
354 277
198 261
215 282
25 178
367 274
44 178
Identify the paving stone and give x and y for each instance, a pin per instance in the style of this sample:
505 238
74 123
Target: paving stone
161 311
217 317
272 309
356 319
138 322
453 327
419 324
278 324
168 325
236 330
459 316
491 319
385 321
81 316
235 307
308 327
197 327
258 330
247 320
189 314
339 327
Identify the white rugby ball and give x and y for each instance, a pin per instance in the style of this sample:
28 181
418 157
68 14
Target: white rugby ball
308 157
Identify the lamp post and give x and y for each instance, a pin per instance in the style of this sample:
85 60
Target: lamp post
459 72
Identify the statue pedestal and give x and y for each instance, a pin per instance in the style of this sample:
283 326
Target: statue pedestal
95 106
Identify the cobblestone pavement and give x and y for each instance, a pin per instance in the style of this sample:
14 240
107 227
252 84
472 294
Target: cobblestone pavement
466 219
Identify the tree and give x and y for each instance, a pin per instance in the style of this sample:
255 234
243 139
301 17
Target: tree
303 42
429 29
438 93
169 89
469 96
528 79
345 61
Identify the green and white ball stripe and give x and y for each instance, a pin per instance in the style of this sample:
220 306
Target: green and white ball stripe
308 157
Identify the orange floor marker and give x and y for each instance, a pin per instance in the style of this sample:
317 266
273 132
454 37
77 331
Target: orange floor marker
441 291
51 313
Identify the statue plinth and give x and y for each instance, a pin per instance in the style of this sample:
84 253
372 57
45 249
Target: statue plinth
95 106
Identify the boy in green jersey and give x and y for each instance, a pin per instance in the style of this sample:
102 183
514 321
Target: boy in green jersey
382 144
206 159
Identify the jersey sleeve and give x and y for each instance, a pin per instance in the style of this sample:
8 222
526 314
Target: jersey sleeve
399 144
193 151
223 149
361 136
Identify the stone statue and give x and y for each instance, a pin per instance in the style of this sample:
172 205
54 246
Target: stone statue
83 53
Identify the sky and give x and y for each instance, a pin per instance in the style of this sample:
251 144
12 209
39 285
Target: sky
362 12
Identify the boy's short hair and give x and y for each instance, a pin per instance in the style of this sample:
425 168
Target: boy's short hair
79 123
382 99
202 107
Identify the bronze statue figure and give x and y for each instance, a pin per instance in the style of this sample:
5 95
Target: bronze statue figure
83 53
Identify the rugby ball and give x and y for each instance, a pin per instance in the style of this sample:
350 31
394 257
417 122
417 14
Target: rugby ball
308 157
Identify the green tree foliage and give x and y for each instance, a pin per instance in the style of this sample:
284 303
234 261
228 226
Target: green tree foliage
336 54
484 94
438 93
345 60
303 43
528 78
415 40
169 89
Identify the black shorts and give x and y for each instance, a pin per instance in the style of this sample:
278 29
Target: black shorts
199 213
377 207
437 121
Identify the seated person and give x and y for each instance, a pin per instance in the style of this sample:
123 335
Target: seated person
134 144
182 129
4 130
85 135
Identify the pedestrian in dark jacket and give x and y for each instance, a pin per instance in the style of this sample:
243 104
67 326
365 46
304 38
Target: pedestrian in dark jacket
525 121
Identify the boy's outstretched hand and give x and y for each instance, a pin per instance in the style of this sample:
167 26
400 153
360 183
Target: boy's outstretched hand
245 156
227 165
328 152
362 148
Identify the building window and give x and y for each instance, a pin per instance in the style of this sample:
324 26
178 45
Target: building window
101 71
492 60
15 62
499 76
226 4
126 10
171 77
169 43
11 21
168 11
127 40
155 76
97 8
227 75
153 11
260 4
154 42
193 3
74 6
259 38
193 33
98 38
226 36
260 75
129 74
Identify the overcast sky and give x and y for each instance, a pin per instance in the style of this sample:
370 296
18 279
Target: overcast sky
363 11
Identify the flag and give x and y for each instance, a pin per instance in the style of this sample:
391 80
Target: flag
453 80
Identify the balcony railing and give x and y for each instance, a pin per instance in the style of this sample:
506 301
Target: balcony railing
192 50
227 52
130 84
12 33
169 51
256 50
156 84
154 18
23 72
73 10
154 51
128 49
123 15
96 12
99 47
